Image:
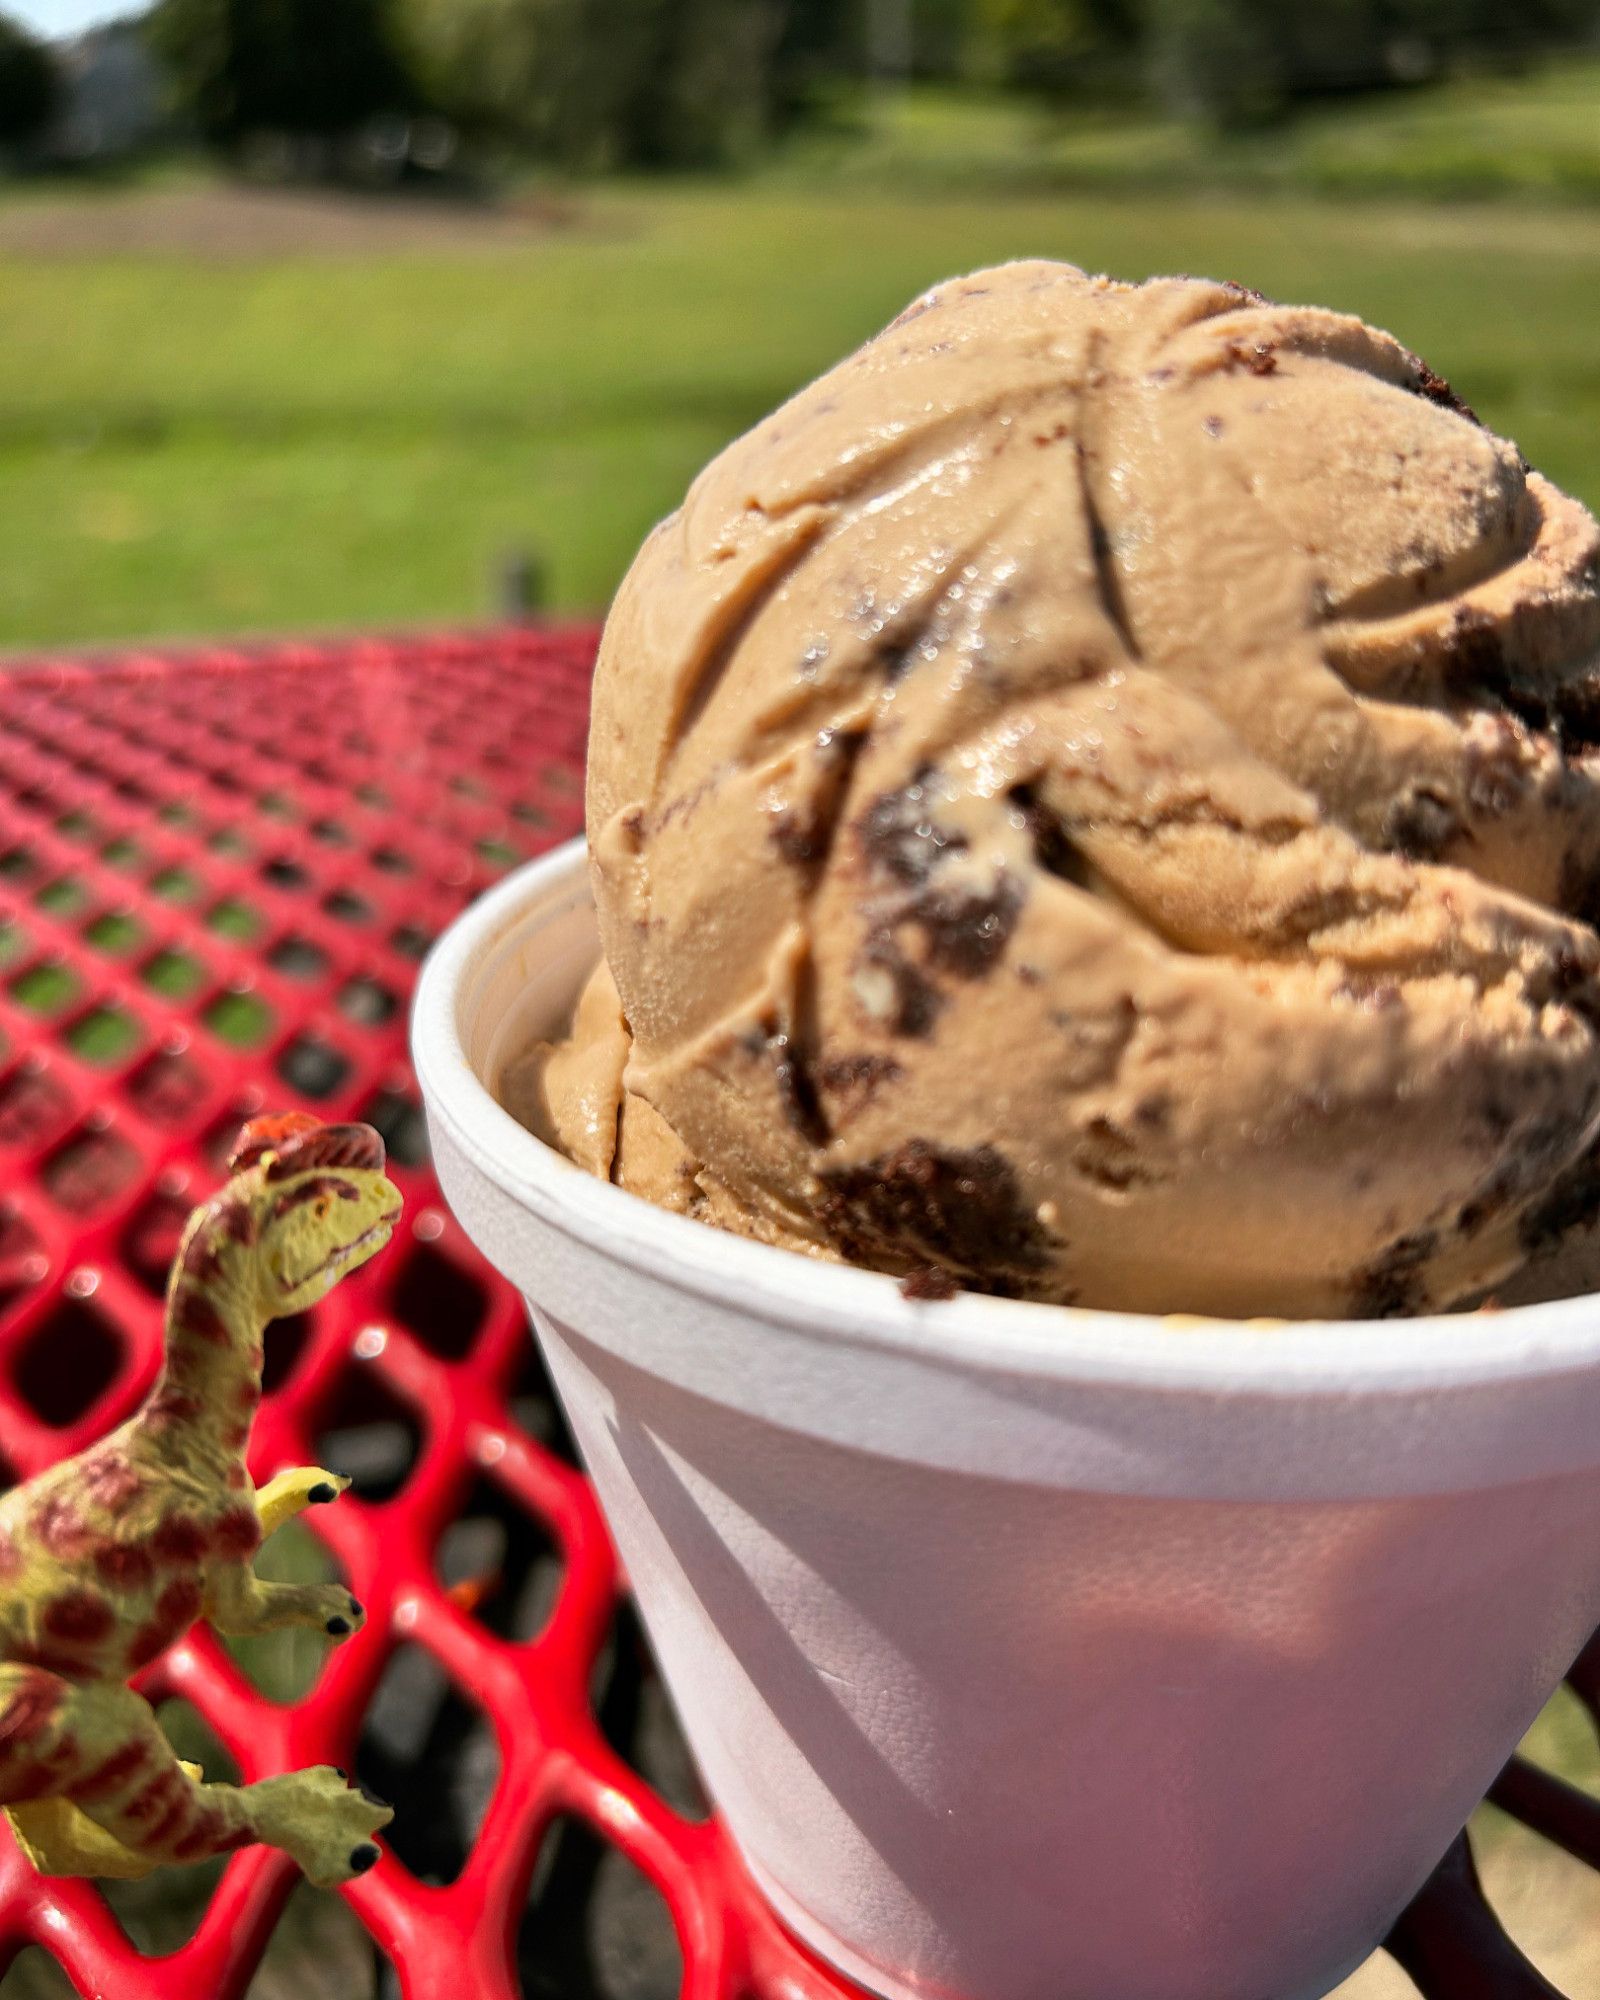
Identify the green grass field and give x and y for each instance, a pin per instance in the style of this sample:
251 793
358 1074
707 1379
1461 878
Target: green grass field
222 412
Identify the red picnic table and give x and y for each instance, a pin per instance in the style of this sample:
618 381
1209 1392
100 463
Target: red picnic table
219 870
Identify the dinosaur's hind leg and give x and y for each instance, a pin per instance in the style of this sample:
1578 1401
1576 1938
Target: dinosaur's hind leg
42 1750
122 1775
59 1838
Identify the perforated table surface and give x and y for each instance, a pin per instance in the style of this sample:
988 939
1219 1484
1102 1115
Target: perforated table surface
218 873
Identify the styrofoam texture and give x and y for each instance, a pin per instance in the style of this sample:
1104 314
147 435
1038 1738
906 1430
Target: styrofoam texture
1033 1653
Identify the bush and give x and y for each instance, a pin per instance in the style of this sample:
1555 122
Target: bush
623 83
1238 62
313 67
30 89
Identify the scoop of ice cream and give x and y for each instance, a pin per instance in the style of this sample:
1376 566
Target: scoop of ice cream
1099 796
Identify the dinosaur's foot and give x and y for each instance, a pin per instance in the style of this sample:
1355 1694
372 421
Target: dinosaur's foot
322 1822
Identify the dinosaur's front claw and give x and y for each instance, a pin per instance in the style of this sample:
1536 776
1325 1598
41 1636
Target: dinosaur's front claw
289 1493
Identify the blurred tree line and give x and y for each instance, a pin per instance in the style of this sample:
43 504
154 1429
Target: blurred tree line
642 84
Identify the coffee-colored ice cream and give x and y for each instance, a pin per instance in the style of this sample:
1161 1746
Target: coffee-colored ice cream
1098 798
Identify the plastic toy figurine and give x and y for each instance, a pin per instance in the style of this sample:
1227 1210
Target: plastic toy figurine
109 1557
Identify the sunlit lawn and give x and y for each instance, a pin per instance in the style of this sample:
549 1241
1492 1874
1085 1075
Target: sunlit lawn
201 439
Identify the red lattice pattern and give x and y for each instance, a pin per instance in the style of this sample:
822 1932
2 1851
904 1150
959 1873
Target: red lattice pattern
217 875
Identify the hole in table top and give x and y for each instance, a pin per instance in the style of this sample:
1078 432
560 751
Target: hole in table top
411 940
369 1434
161 1913
175 885
72 1357
64 897
243 1020
33 1105
636 1716
368 1001
174 973
284 1666
431 1751
320 1950
313 1067
330 832
444 1306
35 1975
116 932
48 987
13 942
104 1036
232 919
150 1241
24 1262
286 1342
500 1564
89 1169
168 1087
529 813
594 1927
284 873
373 795
18 864
468 786
402 1126
391 861
278 805
78 825
533 1406
298 957
498 853
176 812
124 852
348 907
229 842
1563 1742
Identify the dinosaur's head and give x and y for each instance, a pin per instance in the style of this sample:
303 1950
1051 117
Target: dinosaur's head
321 1202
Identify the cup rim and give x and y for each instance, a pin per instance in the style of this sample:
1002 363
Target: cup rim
867 1308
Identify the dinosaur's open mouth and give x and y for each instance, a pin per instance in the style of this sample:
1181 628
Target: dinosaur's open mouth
342 1253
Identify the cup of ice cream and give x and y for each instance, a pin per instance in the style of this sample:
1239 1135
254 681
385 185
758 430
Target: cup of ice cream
1077 1012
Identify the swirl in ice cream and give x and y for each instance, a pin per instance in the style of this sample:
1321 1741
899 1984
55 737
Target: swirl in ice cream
1098 798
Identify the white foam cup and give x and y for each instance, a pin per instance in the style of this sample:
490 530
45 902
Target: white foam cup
1033 1653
